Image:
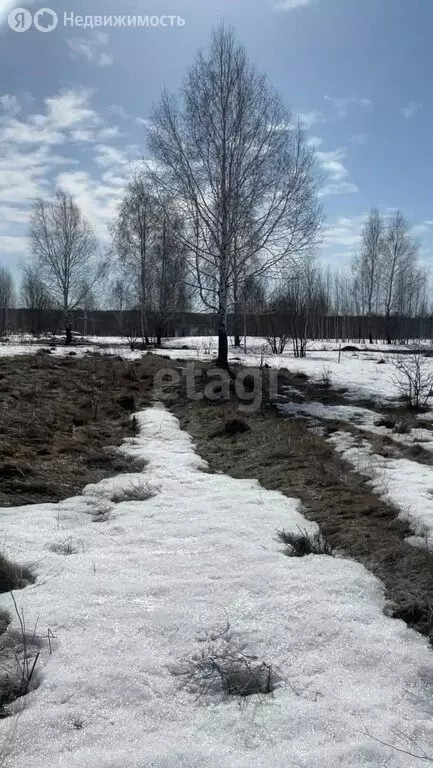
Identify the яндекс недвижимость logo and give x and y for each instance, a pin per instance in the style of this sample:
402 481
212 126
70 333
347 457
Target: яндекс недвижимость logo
44 20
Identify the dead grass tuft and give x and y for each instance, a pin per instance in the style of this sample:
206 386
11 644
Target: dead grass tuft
140 490
19 657
301 543
224 667
5 620
13 576
67 546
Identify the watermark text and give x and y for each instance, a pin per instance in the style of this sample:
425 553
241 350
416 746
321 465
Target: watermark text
46 20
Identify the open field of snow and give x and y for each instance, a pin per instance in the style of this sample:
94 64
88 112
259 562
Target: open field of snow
359 372
132 601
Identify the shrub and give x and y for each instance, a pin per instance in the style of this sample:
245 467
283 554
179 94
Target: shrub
301 543
277 343
413 377
325 380
224 667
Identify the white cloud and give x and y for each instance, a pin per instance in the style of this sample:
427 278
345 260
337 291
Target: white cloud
99 198
342 104
314 141
308 119
14 244
69 108
289 5
105 60
411 109
35 156
89 48
82 136
6 6
108 133
345 232
107 156
332 166
67 111
10 104
424 228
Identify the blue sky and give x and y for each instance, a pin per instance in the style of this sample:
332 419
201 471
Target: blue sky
358 72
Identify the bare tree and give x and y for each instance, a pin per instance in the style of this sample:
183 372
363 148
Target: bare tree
168 266
367 265
120 299
252 301
35 298
133 238
303 299
7 297
400 257
65 250
243 174
148 241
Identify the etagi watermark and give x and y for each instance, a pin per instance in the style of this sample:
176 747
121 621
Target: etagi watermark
45 20
216 385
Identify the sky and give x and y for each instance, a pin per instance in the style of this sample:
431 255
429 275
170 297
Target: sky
74 101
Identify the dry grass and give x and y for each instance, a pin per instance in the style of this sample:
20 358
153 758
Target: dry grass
19 662
67 546
301 543
224 667
13 576
139 490
58 417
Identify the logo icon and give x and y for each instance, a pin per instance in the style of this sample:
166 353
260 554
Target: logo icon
20 20
45 20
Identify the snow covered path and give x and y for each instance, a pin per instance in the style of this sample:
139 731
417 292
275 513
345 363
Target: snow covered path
130 603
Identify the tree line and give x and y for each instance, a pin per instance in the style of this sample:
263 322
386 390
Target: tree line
223 217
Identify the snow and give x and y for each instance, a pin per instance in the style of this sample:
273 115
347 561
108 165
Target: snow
362 419
131 602
406 484
357 372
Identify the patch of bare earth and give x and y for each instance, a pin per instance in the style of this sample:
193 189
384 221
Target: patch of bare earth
286 457
62 419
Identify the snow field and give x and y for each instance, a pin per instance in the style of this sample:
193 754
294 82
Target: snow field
131 603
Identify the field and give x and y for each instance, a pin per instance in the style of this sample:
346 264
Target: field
204 569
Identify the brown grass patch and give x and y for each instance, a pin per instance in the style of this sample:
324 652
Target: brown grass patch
62 420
